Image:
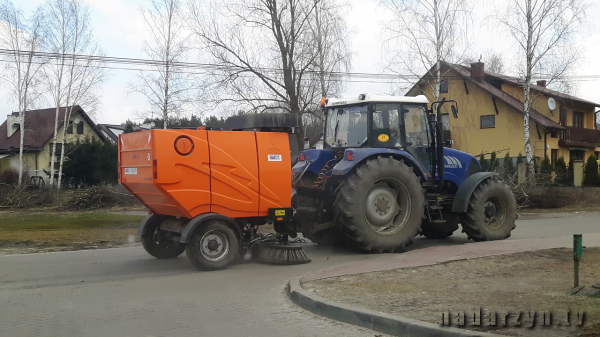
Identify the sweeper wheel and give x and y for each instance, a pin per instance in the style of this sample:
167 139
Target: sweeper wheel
282 254
212 246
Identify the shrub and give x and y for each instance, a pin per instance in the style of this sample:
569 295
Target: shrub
591 172
508 163
546 166
100 196
91 162
560 168
483 162
21 197
493 162
520 159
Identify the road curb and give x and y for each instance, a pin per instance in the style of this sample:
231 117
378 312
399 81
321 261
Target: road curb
378 321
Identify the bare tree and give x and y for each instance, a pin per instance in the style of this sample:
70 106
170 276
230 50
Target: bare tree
74 72
167 87
272 54
22 38
543 31
423 34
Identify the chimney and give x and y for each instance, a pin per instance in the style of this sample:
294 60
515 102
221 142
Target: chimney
12 124
541 83
477 71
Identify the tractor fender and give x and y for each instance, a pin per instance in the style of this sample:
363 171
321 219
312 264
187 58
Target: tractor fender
144 224
360 155
200 219
463 195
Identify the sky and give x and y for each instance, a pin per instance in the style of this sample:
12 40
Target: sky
120 30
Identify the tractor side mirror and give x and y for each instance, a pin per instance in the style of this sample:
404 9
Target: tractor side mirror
454 111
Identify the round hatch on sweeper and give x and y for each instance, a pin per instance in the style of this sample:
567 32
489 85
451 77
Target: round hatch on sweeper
184 145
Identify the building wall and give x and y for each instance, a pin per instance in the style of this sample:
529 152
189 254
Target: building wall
466 131
540 104
508 135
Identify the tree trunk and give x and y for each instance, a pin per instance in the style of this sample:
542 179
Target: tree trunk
527 93
21 140
53 152
68 112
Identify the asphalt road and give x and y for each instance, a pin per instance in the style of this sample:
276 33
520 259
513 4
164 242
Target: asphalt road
125 292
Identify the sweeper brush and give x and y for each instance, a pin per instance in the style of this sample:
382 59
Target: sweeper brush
282 254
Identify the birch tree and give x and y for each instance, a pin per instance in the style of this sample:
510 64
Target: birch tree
168 88
273 55
422 35
543 31
22 38
73 73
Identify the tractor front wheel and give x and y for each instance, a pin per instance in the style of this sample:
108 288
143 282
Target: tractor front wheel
213 246
158 242
381 205
491 213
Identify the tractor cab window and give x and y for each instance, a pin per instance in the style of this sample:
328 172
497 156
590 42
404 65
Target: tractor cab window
416 131
346 126
386 125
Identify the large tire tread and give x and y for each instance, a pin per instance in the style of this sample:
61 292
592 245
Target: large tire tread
472 223
170 251
346 203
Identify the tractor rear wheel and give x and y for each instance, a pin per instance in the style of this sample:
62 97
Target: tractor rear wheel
213 246
381 205
158 243
491 213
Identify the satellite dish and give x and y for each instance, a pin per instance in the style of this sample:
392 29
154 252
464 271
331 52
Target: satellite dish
551 103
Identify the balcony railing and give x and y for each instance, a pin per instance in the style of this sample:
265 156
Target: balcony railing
581 137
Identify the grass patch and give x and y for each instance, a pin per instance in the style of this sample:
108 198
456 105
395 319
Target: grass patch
66 229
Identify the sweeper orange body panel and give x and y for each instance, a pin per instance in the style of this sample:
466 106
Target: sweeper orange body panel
186 173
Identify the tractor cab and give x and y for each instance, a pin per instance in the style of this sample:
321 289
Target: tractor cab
386 122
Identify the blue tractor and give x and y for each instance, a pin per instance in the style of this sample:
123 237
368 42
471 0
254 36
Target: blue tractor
384 176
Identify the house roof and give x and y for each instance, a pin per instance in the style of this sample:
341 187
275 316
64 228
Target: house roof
39 129
539 89
515 103
511 101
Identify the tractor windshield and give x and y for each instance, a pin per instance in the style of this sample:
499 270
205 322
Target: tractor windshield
346 126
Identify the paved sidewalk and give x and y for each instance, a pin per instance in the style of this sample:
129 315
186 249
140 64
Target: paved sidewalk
433 255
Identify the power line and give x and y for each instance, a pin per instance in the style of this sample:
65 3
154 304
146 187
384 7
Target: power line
104 62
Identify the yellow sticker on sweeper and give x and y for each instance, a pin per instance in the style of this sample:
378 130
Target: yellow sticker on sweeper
279 212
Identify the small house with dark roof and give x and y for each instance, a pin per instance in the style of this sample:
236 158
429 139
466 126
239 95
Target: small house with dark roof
38 138
491 115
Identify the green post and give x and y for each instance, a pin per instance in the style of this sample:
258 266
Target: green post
577 256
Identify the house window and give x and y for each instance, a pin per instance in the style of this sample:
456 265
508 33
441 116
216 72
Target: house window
444 87
58 149
575 155
577 119
70 128
80 128
553 157
488 121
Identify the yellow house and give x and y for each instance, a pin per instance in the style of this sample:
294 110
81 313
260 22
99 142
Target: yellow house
38 138
491 115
